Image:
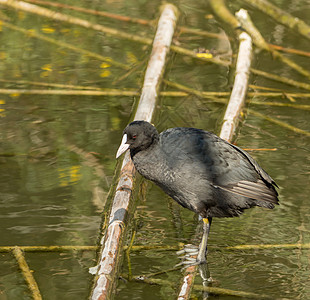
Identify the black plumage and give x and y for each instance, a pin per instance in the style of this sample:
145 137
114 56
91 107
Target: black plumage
199 170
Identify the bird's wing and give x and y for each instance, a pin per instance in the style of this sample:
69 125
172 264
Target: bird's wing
224 165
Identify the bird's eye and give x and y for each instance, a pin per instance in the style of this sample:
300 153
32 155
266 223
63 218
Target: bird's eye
134 137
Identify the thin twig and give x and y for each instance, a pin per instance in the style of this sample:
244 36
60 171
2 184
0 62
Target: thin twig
4 249
128 254
290 50
105 92
282 79
50 84
269 246
278 122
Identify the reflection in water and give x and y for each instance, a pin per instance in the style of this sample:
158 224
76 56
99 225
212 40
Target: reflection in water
69 175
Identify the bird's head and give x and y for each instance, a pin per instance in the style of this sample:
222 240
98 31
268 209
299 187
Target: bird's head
137 136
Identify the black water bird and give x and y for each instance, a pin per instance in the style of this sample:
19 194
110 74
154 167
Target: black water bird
200 171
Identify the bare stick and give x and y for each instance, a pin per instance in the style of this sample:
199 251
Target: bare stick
35 292
113 237
238 94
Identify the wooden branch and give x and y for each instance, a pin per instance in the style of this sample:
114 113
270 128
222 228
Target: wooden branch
231 118
109 258
219 8
281 16
238 94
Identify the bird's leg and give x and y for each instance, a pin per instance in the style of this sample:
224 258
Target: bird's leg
201 257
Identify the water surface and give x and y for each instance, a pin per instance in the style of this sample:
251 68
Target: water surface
57 157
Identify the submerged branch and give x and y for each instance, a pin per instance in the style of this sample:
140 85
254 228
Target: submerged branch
282 79
222 12
290 50
32 284
185 91
282 16
209 289
155 247
51 84
280 123
34 34
182 29
270 246
31 8
94 12
260 42
105 92
48 248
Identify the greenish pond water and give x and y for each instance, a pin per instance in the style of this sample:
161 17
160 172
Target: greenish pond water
57 156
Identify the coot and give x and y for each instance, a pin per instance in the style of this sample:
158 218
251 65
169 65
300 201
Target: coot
200 171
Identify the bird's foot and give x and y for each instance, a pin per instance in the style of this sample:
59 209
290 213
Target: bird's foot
189 256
